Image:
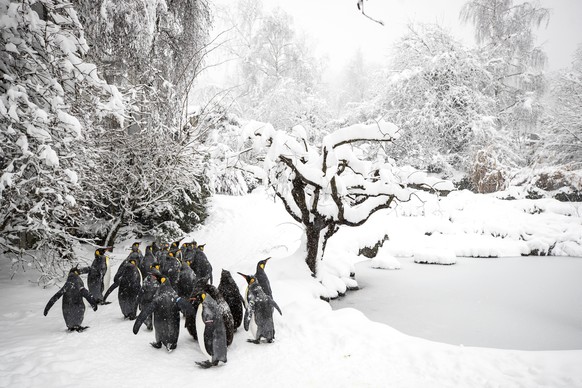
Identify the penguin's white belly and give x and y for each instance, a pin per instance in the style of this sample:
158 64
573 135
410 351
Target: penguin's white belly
107 277
200 327
253 326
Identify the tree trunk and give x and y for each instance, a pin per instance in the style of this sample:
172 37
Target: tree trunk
317 235
313 247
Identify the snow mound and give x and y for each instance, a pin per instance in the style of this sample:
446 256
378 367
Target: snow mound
435 256
385 260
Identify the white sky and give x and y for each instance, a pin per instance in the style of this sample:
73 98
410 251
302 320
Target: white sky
338 29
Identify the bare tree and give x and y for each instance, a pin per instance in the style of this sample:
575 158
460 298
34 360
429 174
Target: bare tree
331 187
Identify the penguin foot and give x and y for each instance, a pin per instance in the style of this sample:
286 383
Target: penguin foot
257 341
156 345
206 364
78 329
170 347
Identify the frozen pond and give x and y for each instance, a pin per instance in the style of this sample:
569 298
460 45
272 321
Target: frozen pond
527 303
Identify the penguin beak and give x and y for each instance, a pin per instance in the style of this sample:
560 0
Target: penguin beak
247 277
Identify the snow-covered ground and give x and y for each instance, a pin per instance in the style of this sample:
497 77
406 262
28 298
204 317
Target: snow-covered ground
315 346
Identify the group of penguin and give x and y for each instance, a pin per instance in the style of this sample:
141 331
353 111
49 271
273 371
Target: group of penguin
167 280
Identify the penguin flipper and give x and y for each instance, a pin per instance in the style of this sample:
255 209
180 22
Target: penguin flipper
87 295
84 270
247 319
185 306
110 290
53 300
274 304
143 316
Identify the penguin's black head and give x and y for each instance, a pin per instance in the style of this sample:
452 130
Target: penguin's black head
135 246
261 264
102 251
165 246
176 244
171 254
74 270
149 248
155 273
249 278
201 247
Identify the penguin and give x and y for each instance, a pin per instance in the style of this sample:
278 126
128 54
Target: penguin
73 292
170 267
209 289
99 275
259 311
232 296
262 277
135 253
147 261
210 329
128 279
188 251
165 307
227 318
186 280
201 266
149 287
175 247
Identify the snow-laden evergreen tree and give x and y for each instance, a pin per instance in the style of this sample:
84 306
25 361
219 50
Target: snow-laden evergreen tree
332 186
51 101
504 31
564 144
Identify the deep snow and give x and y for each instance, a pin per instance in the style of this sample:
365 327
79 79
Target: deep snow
315 346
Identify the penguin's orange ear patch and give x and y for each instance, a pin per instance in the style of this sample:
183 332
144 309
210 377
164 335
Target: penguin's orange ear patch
163 280
262 266
252 281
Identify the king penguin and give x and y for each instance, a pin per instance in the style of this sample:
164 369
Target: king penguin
128 279
186 280
262 277
149 287
201 266
73 292
232 296
99 275
211 331
259 311
166 308
147 261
